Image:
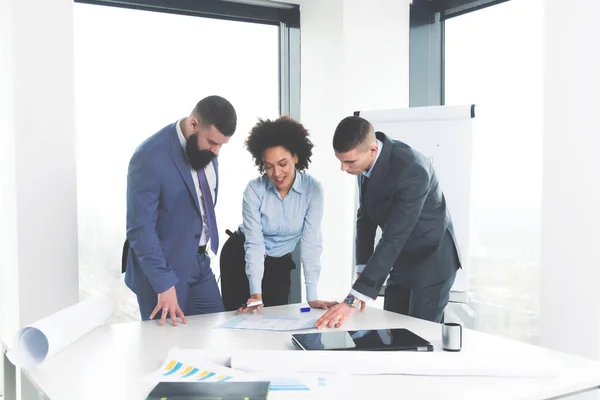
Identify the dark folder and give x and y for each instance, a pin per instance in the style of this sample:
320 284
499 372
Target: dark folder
210 391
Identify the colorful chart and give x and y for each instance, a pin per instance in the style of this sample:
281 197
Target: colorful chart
287 385
176 369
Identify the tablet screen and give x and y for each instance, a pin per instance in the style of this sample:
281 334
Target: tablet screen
379 339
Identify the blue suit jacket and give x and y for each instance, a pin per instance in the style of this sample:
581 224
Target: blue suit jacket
164 223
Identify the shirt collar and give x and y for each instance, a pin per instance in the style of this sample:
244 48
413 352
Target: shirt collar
297 185
367 173
180 134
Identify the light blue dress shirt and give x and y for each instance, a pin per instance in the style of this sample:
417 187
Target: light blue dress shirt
360 267
273 226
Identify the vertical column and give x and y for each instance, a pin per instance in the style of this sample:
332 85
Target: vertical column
570 299
354 56
8 198
38 232
376 54
321 107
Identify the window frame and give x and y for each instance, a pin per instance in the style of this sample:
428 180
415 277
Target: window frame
271 14
427 46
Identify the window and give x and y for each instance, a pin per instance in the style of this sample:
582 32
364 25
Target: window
135 72
493 58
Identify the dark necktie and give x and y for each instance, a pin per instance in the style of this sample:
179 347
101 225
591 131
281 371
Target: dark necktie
209 209
363 188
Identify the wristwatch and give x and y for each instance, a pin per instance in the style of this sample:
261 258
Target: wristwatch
351 301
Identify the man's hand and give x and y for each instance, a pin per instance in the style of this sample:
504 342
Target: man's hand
336 316
248 308
322 304
362 305
167 302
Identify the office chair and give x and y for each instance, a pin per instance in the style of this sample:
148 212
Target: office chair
235 289
124 256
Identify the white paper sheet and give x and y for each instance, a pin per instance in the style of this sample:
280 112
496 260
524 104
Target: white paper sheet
394 362
39 341
193 365
269 323
196 365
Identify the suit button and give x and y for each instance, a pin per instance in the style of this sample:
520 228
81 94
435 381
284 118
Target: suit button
197 236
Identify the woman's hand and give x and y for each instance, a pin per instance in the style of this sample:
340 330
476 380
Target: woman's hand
325 305
249 307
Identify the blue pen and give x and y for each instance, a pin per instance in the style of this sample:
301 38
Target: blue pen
305 309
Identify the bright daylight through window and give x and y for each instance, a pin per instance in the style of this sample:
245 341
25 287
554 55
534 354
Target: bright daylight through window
148 70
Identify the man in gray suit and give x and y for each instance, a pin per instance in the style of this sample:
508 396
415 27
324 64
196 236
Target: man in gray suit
401 194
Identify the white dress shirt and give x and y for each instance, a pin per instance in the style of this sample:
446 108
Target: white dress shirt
211 177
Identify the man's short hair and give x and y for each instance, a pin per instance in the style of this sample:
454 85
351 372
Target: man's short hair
217 111
350 133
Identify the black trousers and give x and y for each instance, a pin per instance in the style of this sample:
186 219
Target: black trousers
426 303
235 288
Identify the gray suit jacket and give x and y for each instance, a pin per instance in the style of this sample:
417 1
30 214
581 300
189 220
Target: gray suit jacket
403 197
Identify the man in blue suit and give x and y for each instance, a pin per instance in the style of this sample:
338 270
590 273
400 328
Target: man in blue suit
172 187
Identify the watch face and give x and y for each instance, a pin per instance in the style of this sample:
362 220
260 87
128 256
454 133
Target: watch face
349 300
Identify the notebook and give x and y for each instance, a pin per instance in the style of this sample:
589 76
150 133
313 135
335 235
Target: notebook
210 391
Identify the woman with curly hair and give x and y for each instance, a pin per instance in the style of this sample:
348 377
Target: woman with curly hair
281 207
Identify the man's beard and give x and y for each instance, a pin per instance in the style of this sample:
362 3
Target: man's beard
197 158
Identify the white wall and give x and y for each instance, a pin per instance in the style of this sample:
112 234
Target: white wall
38 210
8 198
570 297
37 172
354 57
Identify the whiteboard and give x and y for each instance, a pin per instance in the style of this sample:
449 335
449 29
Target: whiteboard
445 135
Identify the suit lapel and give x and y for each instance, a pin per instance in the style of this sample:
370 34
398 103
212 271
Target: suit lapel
378 175
178 155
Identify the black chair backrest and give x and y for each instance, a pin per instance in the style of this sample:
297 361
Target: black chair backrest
124 256
235 289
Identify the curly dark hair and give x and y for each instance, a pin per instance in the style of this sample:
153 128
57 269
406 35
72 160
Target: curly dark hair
284 132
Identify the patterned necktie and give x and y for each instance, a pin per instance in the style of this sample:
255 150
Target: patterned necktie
209 209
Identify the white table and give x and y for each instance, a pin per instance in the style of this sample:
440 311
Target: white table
110 361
